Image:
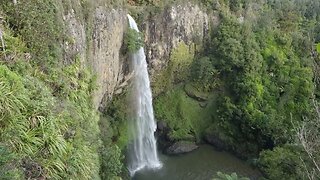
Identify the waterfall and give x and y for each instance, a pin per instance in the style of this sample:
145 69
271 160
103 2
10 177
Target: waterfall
143 152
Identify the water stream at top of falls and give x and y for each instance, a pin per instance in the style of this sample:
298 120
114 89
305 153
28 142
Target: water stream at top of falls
143 152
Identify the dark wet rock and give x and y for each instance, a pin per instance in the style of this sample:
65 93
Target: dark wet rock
203 104
162 126
220 142
181 147
216 141
162 135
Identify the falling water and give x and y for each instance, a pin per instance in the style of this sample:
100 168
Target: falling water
143 153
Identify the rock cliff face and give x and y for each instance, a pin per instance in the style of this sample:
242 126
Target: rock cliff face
186 23
107 62
100 48
75 28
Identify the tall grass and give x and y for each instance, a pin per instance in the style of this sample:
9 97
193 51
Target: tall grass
48 127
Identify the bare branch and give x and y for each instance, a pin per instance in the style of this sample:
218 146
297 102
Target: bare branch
308 135
2 40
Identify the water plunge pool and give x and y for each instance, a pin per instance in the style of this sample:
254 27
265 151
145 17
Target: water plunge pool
202 164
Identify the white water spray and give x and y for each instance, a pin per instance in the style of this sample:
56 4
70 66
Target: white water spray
143 153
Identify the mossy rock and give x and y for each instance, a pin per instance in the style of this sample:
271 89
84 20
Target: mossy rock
183 115
181 147
182 135
177 71
192 92
217 138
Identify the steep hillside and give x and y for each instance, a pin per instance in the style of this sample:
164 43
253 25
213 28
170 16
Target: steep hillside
240 75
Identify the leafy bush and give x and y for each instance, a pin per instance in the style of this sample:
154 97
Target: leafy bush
133 40
281 163
111 164
204 74
233 176
184 115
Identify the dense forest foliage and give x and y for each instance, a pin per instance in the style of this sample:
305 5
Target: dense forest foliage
258 77
254 86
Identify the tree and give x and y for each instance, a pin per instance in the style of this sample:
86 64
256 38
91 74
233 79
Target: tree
309 138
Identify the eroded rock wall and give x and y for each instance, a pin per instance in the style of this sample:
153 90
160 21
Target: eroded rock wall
100 48
186 23
107 61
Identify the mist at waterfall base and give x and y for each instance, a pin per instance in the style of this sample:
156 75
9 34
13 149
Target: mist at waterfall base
143 150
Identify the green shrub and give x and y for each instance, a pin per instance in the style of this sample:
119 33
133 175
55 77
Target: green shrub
184 115
281 163
204 74
233 176
111 165
133 40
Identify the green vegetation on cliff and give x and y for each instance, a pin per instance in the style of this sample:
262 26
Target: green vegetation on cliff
184 115
133 41
260 69
44 119
48 126
250 89
177 70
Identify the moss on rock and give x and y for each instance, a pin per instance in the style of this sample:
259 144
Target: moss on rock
185 117
177 70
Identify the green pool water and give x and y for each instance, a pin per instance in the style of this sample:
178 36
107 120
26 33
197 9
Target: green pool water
201 164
